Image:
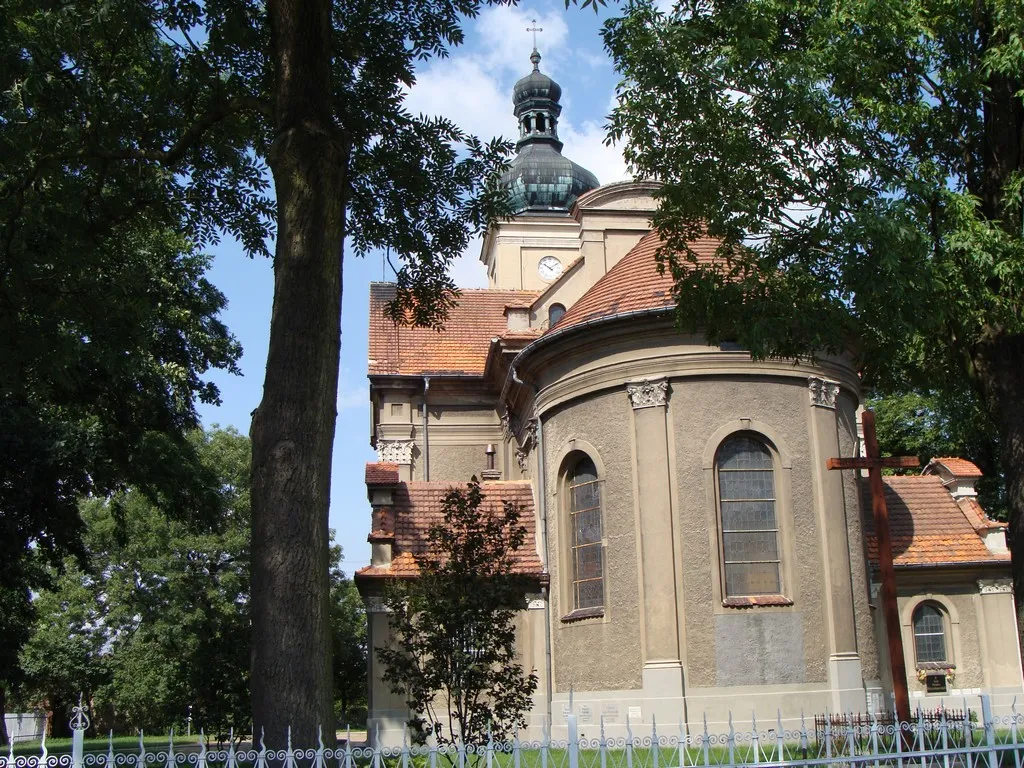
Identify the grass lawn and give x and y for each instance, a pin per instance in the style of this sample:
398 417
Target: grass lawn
121 744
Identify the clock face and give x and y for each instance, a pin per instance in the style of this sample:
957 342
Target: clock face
549 268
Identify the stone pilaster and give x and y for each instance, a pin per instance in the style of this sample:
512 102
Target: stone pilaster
997 634
662 673
845 677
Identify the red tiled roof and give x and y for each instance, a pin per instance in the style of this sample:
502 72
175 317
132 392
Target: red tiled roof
926 524
417 506
381 473
959 467
460 349
633 284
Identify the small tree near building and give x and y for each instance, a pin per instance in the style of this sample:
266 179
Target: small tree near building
453 652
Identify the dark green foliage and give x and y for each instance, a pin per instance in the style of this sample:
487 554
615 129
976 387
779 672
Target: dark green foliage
348 637
453 651
155 620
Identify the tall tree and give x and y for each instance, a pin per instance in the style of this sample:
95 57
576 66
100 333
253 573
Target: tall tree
348 641
862 162
125 116
453 648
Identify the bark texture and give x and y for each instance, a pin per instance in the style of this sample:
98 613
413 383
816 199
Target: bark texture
293 427
999 362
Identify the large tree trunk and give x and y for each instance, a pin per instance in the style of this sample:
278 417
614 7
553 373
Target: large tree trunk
293 428
4 738
999 361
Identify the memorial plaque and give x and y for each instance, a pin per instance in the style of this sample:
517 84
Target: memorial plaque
635 713
586 716
610 712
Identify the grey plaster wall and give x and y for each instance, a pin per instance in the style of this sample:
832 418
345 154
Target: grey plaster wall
867 637
453 462
759 648
699 408
602 653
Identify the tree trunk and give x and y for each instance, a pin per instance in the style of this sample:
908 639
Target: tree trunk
293 427
4 738
999 361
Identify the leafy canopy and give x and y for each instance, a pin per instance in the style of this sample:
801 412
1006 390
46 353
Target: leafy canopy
860 162
453 648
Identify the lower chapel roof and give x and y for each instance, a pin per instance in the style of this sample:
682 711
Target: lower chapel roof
927 526
417 506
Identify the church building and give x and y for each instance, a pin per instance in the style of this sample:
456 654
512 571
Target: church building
691 553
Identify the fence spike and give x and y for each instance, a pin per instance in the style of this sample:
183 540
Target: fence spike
348 748
804 741
780 734
705 739
170 749
201 762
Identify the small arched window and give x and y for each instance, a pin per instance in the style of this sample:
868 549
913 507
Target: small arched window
586 535
929 634
540 123
748 519
526 124
555 313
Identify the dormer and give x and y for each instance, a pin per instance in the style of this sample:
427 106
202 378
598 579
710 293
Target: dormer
960 478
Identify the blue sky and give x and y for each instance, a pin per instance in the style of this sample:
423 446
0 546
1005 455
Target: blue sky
474 88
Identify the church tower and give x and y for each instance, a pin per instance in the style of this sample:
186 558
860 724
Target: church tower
542 179
532 250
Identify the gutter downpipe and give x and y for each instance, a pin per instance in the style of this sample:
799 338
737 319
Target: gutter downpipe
426 442
542 495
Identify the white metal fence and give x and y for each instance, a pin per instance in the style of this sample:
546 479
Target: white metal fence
968 740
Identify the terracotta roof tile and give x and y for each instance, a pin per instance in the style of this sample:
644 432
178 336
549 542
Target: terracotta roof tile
633 284
381 473
417 506
959 467
926 524
976 515
460 349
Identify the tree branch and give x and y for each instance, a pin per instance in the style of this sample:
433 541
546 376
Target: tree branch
192 134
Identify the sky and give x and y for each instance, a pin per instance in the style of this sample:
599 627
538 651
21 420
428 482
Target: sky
473 87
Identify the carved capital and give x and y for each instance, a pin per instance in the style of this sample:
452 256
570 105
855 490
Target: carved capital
648 393
395 451
375 604
823 392
995 586
522 458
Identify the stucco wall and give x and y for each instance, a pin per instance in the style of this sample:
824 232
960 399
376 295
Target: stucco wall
601 653
457 463
700 408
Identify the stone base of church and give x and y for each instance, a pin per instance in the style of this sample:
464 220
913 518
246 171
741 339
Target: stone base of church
847 683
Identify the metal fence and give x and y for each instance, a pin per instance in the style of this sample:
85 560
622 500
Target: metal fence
971 740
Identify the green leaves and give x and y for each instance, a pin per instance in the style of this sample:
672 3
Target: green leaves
835 151
453 650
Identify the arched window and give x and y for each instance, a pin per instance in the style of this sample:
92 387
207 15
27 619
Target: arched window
585 519
540 123
555 313
929 634
749 523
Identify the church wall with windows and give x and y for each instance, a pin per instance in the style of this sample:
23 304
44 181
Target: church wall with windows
671 587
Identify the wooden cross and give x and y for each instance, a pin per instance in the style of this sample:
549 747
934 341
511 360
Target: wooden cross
535 29
873 463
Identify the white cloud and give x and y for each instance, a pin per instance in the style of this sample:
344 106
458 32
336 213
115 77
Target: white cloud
586 146
507 44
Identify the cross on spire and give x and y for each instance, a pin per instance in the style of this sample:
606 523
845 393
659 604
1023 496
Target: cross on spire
535 29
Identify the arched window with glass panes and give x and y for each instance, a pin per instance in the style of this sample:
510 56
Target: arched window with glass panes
586 535
748 517
930 634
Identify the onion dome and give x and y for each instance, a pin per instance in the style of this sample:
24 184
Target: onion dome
541 178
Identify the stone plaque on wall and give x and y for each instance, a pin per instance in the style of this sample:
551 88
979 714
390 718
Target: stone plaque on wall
610 712
635 714
586 715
